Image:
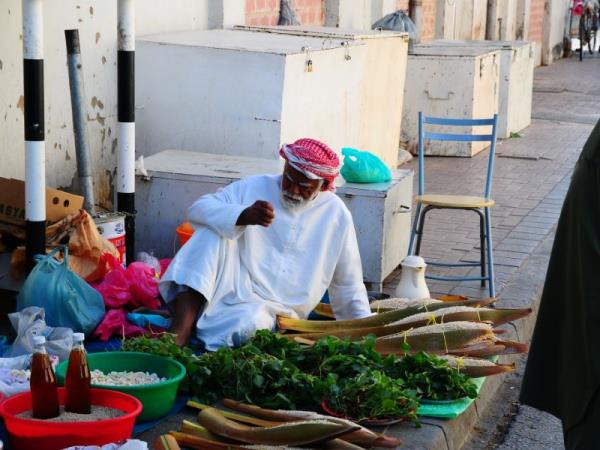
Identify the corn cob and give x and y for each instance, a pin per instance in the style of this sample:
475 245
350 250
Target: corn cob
165 442
495 316
363 436
440 337
390 304
200 443
476 367
482 350
379 306
234 416
452 314
287 323
198 430
289 433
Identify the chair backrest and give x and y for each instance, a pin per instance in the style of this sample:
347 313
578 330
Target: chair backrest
423 135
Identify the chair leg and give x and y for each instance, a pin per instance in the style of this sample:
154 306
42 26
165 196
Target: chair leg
413 232
490 258
482 245
421 226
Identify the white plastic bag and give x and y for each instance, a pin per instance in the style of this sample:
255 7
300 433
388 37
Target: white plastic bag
30 322
15 373
129 444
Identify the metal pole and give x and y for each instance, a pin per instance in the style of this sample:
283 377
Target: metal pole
84 166
35 148
126 121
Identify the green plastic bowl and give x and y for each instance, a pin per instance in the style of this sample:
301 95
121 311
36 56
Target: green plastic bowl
157 399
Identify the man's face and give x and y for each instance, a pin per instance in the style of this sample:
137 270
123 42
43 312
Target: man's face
297 189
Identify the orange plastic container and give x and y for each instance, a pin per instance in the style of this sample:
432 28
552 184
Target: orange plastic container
27 434
184 231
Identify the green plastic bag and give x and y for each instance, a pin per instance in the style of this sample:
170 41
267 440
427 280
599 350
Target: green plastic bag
67 299
364 167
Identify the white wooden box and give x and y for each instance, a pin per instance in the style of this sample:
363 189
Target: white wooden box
453 82
245 93
176 178
461 19
517 61
382 82
381 214
502 20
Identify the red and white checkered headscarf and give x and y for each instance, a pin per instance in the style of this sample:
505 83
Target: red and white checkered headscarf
314 159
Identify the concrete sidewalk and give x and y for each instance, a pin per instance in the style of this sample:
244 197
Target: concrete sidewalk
531 177
530 181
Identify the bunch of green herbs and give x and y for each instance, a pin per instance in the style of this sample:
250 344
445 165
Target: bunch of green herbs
354 379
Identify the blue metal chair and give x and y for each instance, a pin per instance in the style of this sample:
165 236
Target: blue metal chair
479 205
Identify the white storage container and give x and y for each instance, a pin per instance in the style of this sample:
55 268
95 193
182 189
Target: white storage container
461 19
502 20
175 179
245 93
452 82
382 82
381 214
517 61
348 14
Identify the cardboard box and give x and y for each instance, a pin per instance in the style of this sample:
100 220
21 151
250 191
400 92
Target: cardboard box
12 202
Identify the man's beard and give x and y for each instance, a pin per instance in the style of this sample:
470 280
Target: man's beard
294 202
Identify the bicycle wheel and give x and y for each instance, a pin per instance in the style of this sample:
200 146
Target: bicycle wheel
581 35
588 23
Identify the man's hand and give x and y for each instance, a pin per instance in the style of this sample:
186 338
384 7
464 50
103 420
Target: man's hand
260 213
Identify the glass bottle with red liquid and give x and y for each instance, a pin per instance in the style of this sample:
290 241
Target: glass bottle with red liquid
44 393
78 379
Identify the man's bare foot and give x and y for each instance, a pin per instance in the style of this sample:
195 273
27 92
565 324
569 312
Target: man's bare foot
181 338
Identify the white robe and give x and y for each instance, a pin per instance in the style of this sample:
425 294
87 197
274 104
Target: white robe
250 274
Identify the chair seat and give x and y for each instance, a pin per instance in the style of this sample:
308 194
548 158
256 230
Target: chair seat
455 201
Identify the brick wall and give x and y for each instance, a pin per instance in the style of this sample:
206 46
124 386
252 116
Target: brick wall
401 4
536 22
266 12
428 11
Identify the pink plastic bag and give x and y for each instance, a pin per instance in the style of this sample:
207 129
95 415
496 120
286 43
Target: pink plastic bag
143 285
132 287
115 289
115 323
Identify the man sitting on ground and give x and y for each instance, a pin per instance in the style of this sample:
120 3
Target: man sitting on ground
267 245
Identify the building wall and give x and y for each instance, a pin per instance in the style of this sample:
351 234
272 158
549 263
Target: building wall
402 4
554 27
428 11
97 24
536 28
266 12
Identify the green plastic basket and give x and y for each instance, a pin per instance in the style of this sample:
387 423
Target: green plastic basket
157 399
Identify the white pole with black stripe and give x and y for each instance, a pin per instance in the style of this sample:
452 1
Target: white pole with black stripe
126 119
35 149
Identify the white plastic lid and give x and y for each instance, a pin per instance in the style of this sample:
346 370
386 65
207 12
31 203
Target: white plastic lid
414 261
78 337
39 340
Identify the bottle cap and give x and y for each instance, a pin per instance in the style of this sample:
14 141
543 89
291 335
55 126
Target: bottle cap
78 337
39 340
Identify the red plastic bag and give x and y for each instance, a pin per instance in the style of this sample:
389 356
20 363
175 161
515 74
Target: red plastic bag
115 323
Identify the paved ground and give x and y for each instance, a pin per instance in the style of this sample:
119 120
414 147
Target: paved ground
531 178
530 181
